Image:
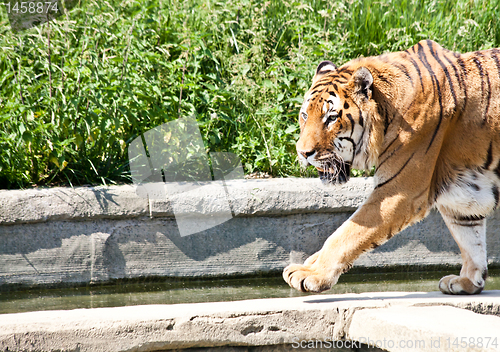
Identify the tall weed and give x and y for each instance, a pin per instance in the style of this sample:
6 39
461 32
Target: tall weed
115 69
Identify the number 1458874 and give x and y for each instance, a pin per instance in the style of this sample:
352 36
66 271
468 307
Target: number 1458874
31 7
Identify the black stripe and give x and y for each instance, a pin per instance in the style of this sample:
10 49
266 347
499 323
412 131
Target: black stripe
403 69
348 139
463 70
489 157
488 98
383 79
344 70
481 74
346 165
497 170
466 224
395 175
349 116
496 194
447 74
321 84
460 80
360 118
390 155
323 72
383 113
457 74
473 186
494 56
360 114
388 146
469 217
418 72
358 147
435 83
462 66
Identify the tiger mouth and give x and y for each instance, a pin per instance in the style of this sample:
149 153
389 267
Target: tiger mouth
337 173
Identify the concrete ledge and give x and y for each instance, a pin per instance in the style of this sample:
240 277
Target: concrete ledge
396 317
81 203
93 235
250 197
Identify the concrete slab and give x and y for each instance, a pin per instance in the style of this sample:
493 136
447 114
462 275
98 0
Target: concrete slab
437 328
268 322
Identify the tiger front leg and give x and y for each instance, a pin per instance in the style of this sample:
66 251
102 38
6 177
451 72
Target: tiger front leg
318 273
373 224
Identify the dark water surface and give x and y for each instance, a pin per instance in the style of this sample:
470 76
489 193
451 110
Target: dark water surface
216 290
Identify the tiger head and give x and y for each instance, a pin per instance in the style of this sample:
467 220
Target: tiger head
336 122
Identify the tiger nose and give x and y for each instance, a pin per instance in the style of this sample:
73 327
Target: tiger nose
306 154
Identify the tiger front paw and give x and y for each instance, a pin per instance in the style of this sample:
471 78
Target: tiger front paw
459 285
306 278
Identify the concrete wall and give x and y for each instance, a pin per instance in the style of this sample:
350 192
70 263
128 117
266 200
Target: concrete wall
90 235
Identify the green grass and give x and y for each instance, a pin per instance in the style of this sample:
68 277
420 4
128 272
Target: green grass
115 69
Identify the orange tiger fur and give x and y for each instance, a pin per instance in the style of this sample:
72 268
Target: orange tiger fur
428 119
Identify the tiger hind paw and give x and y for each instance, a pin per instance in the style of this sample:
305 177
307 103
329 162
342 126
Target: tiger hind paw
459 285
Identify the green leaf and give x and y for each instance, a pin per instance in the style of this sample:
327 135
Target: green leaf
291 129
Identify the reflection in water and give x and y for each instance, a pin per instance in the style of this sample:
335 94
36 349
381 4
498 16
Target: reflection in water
217 290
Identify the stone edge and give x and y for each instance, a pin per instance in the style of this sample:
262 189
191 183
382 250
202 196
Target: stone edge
280 196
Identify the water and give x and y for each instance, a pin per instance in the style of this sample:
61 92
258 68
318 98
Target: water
217 290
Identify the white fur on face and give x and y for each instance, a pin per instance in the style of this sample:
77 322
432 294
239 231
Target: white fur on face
305 105
330 105
310 160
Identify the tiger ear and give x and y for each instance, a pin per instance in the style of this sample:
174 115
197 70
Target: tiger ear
362 81
324 67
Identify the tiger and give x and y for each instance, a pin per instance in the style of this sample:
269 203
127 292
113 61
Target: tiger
427 121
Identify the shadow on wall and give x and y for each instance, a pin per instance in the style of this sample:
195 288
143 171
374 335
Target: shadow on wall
101 250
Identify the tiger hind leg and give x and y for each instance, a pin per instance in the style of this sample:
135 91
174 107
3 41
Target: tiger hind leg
464 206
470 235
